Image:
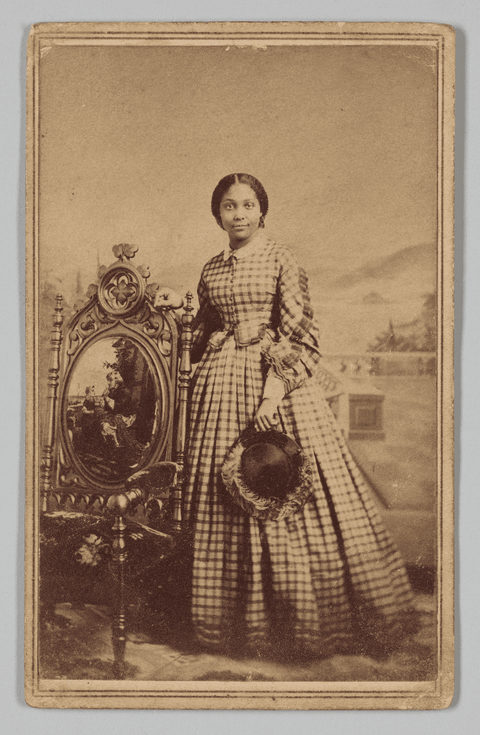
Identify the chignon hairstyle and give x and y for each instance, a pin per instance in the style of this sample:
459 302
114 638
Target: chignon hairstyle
224 185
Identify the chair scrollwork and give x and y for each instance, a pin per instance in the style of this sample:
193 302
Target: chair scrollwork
116 421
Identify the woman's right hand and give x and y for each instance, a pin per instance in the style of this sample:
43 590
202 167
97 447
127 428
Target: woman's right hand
266 417
167 298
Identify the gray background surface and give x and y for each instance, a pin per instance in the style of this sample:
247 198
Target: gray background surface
16 18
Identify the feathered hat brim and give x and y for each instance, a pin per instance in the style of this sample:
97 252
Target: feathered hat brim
265 508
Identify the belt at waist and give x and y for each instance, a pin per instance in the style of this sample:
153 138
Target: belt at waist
245 333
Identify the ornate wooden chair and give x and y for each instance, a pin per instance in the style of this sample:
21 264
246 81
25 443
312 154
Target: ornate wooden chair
117 452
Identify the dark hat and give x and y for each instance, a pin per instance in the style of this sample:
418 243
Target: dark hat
267 474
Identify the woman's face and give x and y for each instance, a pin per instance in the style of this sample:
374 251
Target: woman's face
114 380
240 214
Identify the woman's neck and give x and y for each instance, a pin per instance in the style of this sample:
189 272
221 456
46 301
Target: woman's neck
238 244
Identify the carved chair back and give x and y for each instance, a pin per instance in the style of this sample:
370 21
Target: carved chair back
117 389
116 417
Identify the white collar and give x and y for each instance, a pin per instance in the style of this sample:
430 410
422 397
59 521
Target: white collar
258 239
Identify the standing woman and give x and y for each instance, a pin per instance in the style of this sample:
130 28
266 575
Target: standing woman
325 578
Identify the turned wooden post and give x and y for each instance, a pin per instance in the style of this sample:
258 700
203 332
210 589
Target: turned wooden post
53 379
119 630
119 505
185 371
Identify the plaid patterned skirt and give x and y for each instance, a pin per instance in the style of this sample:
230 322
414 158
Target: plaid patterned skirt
326 579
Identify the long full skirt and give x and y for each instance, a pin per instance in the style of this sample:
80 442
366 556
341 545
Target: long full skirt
326 579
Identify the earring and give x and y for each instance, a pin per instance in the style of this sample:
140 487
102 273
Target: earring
261 221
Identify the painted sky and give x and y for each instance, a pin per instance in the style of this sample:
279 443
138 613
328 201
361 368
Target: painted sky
91 370
134 139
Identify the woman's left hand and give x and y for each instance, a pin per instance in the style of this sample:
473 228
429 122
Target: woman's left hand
267 416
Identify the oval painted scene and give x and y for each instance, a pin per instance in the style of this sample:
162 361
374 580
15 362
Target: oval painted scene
112 411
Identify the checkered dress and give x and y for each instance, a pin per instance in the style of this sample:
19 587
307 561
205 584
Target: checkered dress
328 578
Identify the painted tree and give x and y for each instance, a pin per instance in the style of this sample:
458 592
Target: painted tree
418 335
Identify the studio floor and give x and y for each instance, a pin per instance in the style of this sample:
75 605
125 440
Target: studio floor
76 644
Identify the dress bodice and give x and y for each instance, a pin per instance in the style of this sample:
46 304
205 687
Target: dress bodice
253 290
242 289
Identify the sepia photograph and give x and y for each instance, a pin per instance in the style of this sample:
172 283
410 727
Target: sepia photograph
240 384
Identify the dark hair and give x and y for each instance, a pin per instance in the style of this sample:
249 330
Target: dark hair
224 185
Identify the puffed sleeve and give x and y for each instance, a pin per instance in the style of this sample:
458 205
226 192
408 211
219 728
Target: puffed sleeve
206 321
294 354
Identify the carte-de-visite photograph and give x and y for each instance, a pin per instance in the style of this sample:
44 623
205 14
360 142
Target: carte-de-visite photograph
239 485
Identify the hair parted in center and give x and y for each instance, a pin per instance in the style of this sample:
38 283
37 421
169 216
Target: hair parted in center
224 185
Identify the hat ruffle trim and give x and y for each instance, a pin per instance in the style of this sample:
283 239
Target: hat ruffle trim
268 509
